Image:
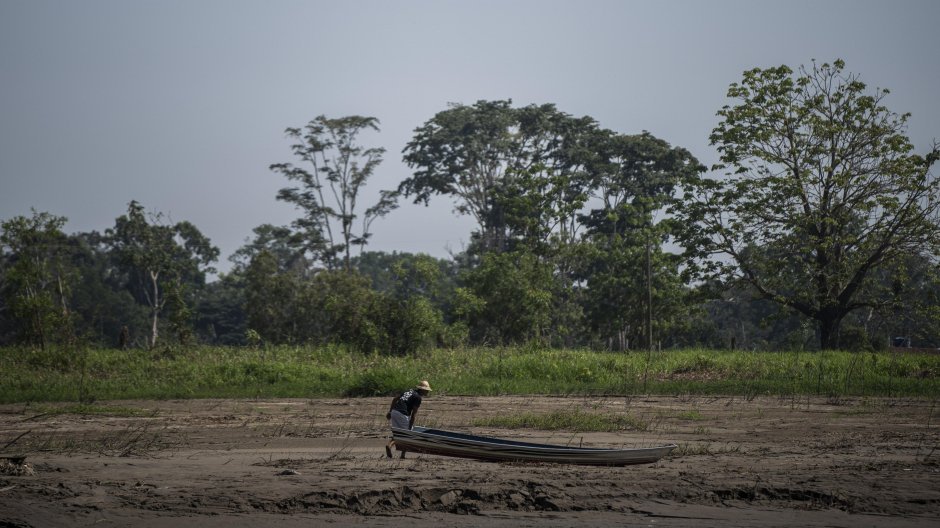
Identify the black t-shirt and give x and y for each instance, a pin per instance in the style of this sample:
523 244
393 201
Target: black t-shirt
407 402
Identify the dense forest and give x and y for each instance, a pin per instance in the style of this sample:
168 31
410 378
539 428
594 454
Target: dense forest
818 229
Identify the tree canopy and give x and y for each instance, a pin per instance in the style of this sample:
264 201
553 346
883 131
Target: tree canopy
159 259
481 153
820 188
819 227
35 281
334 170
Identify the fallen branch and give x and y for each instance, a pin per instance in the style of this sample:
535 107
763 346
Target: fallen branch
15 440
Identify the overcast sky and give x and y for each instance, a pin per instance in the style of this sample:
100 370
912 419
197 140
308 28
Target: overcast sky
182 105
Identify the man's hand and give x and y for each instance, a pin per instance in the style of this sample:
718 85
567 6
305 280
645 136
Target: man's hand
388 415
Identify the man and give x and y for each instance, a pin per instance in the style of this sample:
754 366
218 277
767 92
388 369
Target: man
403 411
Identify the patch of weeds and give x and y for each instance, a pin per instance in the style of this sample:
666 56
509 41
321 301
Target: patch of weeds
285 462
693 415
570 420
854 411
706 448
137 441
132 441
342 452
85 409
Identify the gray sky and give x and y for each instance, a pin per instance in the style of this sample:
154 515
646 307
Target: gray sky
181 105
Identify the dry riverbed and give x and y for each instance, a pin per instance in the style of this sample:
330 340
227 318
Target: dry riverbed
285 463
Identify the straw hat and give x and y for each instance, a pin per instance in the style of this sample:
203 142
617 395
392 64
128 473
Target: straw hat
424 385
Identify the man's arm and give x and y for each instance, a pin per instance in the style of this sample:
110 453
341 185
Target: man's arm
388 415
411 423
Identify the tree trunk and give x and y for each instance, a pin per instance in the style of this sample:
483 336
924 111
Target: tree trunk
649 294
154 309
829 322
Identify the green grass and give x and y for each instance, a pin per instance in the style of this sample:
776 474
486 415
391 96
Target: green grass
219 372
692 415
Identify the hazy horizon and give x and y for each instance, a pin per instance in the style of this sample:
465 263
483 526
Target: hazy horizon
182 106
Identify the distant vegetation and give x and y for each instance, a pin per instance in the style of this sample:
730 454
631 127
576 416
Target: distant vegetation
302 372
819 229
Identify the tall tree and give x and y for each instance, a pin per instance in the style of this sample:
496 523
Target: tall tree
159 258
636 179
539 210
821 188
632 284
36 278
335 169
482 154
523 174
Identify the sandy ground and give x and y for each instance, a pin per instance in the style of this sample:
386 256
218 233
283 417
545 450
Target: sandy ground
286 463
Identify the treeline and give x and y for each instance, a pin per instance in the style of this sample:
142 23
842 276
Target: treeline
819 228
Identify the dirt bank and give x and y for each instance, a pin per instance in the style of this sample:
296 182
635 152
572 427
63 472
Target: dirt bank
758 462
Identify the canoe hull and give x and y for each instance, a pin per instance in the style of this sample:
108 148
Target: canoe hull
448 443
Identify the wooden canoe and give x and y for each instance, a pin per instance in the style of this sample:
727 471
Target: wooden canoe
449 443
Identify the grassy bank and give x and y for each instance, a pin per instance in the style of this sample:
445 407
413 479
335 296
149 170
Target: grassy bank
209 372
